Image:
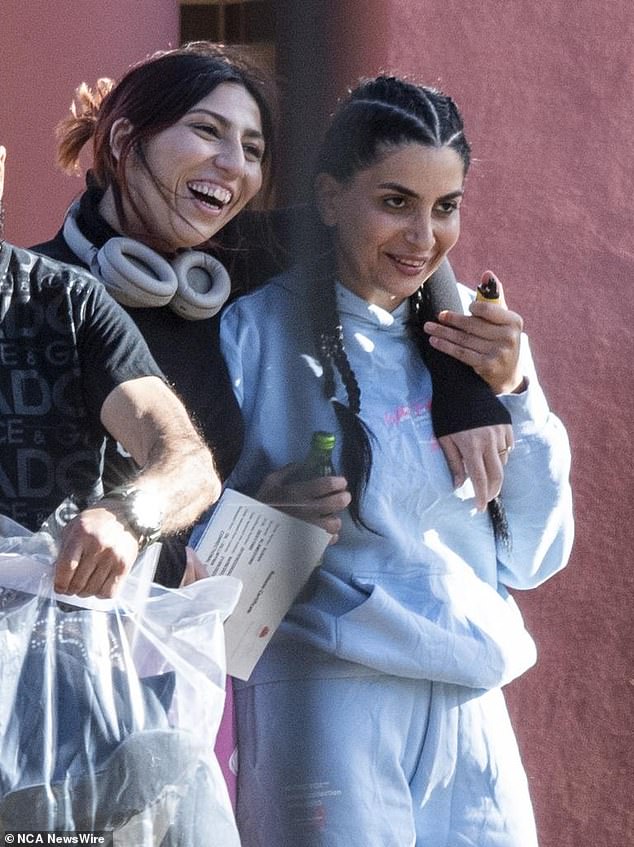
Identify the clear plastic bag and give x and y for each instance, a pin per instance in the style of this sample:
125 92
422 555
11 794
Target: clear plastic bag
109 710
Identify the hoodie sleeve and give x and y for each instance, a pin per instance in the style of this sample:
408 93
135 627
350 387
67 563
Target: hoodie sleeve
536 491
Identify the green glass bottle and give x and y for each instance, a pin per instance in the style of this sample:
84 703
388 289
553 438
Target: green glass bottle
318 462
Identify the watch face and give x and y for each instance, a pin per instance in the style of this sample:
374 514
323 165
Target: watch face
146 511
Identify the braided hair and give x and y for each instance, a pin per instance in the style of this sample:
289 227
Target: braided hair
379 114
356 454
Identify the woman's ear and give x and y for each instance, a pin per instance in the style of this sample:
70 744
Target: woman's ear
119 132
327 192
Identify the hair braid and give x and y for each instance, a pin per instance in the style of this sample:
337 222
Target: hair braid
356 452
388 111
433 112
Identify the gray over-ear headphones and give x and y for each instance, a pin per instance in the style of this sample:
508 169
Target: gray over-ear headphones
194 284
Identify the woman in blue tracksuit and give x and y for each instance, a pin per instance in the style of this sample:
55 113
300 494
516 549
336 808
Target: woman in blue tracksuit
375 717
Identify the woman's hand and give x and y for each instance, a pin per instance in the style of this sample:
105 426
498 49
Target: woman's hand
480 454
194 568
488 340
317 501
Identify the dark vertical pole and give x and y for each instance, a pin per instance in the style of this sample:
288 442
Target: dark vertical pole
303 70
322 46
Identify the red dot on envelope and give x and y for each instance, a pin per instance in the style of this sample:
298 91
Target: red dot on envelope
263 632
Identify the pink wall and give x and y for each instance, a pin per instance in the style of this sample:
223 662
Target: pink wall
547 95
46 50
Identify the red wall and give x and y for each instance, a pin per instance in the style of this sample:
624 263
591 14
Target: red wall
547 95
46 50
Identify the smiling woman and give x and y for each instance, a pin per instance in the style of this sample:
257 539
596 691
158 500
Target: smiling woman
395 222
181 144
194 118
195 175
375 715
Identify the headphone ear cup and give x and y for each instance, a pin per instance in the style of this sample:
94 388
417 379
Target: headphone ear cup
203 285
195 284
135 275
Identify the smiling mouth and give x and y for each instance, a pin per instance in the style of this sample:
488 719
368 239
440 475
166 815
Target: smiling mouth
409 264
211 195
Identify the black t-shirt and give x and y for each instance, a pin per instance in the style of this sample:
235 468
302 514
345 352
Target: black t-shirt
64 346
187 352
189 356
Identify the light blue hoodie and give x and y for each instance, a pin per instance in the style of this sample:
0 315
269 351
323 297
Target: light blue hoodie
424 596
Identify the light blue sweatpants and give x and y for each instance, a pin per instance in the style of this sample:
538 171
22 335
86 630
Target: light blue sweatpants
378 762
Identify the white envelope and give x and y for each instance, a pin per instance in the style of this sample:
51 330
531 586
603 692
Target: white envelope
272 554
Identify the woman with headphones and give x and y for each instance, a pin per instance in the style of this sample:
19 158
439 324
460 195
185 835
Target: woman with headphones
180 145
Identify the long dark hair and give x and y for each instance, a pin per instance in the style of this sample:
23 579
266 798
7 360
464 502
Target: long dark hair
153 95
379 114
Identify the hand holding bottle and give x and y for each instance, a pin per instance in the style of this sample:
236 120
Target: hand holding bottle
310 491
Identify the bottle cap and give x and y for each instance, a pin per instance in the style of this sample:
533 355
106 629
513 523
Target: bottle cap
323 440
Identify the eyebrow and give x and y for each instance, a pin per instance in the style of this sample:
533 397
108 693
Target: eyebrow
253 133
401 189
